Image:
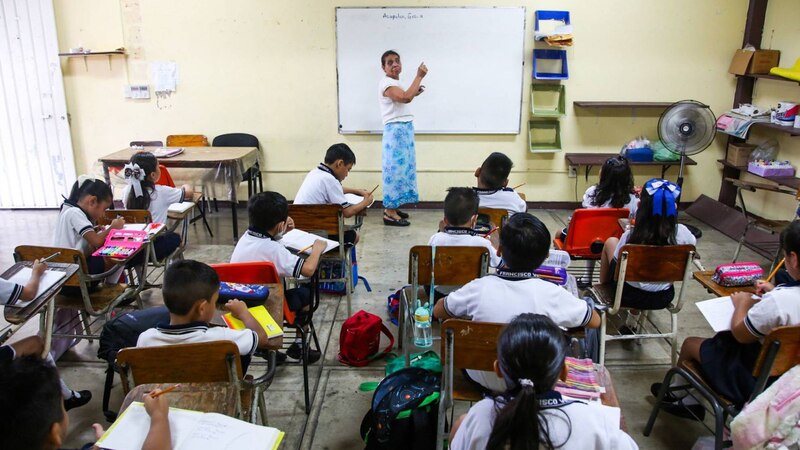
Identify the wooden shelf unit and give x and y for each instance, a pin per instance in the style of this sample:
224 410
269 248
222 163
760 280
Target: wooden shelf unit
790 182
772 126
107 54
768 77
619 105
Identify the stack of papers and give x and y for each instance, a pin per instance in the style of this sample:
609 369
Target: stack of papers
718 312
167 152
738 125
150 228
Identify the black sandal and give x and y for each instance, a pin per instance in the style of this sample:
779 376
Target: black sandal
395 222
402 214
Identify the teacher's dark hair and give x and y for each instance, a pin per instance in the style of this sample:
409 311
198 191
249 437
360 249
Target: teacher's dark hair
530 348
387 54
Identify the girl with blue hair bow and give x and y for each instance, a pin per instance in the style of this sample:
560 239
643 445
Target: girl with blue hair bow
656 224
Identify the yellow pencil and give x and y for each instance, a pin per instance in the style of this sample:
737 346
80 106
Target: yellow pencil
373 190
518 186
169 389
775 270
303 250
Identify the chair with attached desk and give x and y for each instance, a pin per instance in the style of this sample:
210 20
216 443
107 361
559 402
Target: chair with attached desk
265 273
453 266
178 363
779 353
644 263
92 301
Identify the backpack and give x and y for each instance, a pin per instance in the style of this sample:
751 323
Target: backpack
360 339
404 412
121 332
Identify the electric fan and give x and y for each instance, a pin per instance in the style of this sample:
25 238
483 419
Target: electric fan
687 128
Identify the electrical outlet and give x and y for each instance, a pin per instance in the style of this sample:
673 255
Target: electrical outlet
572 172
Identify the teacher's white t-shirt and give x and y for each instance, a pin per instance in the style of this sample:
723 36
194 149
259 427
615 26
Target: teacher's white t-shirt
393 111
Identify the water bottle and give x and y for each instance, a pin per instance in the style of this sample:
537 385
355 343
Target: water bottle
423 336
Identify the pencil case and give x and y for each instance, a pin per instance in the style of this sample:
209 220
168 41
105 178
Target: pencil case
555 275
737 274
121 244
251 294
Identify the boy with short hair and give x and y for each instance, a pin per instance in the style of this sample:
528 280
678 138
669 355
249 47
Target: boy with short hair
460 216
269 220
492 178
515 289
191 291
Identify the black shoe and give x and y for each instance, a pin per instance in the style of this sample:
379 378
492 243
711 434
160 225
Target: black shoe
395 222
294 351
280 357
669 397
76 402
691 412
401 214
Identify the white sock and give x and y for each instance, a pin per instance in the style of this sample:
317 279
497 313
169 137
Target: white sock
66 392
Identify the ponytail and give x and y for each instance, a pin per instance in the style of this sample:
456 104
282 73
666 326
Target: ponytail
148 163
87 185
519 424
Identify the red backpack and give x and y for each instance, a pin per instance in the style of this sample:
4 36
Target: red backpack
360 339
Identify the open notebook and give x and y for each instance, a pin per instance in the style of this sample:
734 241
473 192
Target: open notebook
49 278
718 312
190 430
299 240
355 199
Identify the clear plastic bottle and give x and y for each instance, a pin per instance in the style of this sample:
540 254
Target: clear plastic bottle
423 335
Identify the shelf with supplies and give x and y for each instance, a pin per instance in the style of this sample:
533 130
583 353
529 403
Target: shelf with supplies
773 126
765 76
790 182
107 54
619 105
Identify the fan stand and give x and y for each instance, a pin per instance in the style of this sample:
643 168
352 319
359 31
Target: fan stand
697 232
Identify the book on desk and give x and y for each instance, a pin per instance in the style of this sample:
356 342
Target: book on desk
48 280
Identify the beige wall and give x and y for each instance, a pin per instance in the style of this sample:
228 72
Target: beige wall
269 68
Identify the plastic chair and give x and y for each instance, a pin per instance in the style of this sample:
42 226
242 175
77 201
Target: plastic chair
587 232
263 273
779 353
645 263
178 363
253 174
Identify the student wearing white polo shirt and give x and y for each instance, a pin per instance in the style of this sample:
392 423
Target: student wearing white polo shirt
10 292
492 178
515 289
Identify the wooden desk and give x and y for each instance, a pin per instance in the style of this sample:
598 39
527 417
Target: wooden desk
274 305
609 397
597 159
704 278
206 397
230 162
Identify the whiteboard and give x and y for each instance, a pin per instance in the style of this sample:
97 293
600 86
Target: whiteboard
475 59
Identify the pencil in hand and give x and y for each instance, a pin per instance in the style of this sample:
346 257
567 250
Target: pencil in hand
374 189
490 233
303 250
169 389
775 270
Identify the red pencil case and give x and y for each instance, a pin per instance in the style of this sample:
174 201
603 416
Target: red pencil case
737 274
121 244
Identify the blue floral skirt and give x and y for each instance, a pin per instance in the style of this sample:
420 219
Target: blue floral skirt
399 165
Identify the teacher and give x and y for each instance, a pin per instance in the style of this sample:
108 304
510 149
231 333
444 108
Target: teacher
399 156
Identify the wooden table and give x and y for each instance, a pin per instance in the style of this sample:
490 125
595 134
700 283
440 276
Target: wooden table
704 278
274 305
19 315
206 397
597 159
609 397
230 162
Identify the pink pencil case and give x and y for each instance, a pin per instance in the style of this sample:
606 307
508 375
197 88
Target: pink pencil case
121 243
737 274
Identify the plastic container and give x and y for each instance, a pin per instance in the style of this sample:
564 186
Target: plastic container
557 258
423 335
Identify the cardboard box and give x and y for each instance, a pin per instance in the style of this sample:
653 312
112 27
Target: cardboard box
757 62
738 154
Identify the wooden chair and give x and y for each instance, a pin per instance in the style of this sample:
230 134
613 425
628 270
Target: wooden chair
95 301
645 263
207 362
465 345
454 266
779 353
327 220
494 216
194 140
187 140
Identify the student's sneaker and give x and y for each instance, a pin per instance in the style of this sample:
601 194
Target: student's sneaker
280 357
77 400
691 412
295 352
669 397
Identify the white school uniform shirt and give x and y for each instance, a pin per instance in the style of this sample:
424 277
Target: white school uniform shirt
778 308
9 292
632 205
196 332
160 199
254 246
504 198
72 224
321 187
464 237
497 299
590 428
392 111
682 237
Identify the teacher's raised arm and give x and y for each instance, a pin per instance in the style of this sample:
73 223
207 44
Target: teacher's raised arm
399 154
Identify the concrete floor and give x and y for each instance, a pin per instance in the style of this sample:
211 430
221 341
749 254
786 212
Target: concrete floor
337 404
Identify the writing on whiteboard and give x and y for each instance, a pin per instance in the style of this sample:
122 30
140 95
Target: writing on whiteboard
400 16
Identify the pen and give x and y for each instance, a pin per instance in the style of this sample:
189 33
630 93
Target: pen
50 257
169 389
490 233
518 186
373 190
775 270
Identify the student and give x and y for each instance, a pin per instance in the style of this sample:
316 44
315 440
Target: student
514 289
530 414
269 220
323 185
191 291
10 292
492 181
729 357
33 417
460 216
142 192
656 224
615 188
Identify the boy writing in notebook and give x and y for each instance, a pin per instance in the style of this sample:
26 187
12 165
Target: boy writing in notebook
492 178
11 292
269 220
191 291
323 185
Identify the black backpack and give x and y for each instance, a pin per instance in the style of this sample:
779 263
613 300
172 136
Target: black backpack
121 332
404 411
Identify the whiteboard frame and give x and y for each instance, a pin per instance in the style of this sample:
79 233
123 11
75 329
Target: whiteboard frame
380 132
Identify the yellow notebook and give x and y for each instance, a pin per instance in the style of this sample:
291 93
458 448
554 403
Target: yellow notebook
262 316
